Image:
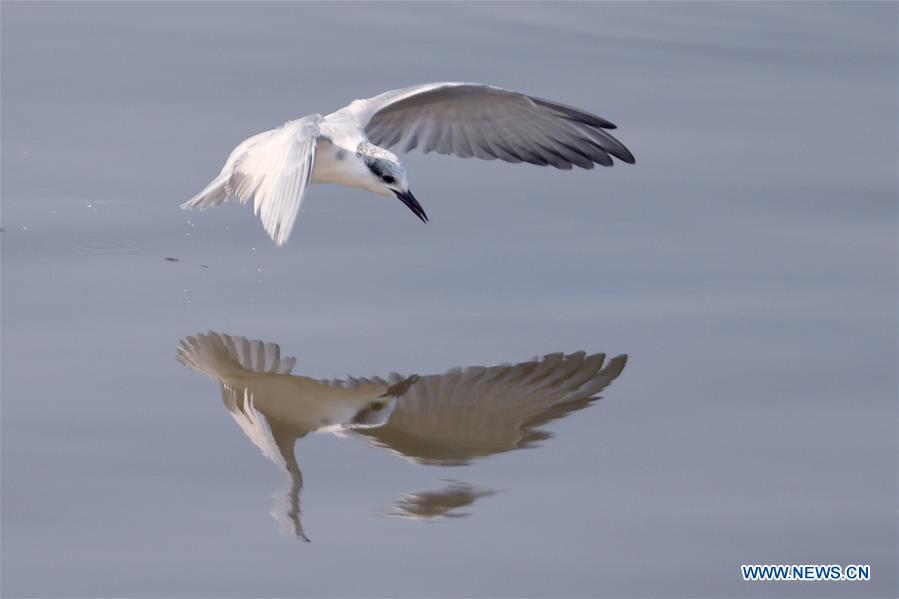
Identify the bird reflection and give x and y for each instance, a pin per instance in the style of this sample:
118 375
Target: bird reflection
445 419
441 503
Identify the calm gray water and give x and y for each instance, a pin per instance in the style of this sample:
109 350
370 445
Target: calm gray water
746 265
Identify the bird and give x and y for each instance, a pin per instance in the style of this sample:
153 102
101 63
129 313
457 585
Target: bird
351 146
448 419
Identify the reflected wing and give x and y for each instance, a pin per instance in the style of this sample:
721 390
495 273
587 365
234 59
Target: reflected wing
466 120
276 441
223 358
271 169
474 412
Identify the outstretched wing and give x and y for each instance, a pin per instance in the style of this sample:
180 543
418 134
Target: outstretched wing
271 169
467 119
474 412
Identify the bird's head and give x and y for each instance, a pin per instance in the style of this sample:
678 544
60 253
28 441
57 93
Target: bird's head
388 177
375 412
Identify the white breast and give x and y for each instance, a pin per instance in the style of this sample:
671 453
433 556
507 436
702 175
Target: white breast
339 164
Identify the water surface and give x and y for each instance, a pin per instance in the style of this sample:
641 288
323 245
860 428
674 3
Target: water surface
746 265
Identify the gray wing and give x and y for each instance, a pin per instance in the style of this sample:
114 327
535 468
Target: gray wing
466 120
475 412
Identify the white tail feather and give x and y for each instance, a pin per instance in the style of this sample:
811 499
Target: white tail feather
214 194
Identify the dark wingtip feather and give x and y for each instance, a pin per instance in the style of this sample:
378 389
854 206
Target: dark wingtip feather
575 114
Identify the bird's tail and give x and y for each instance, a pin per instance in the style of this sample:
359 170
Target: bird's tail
214 194
218 355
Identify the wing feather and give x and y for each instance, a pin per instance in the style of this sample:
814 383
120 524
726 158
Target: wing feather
474 412
487 122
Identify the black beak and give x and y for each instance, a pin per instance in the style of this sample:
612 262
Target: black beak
409 200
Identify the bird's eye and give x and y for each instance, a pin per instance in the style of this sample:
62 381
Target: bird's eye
376 406
387 179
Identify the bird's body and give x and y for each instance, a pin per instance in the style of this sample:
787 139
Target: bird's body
337 158
349 147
